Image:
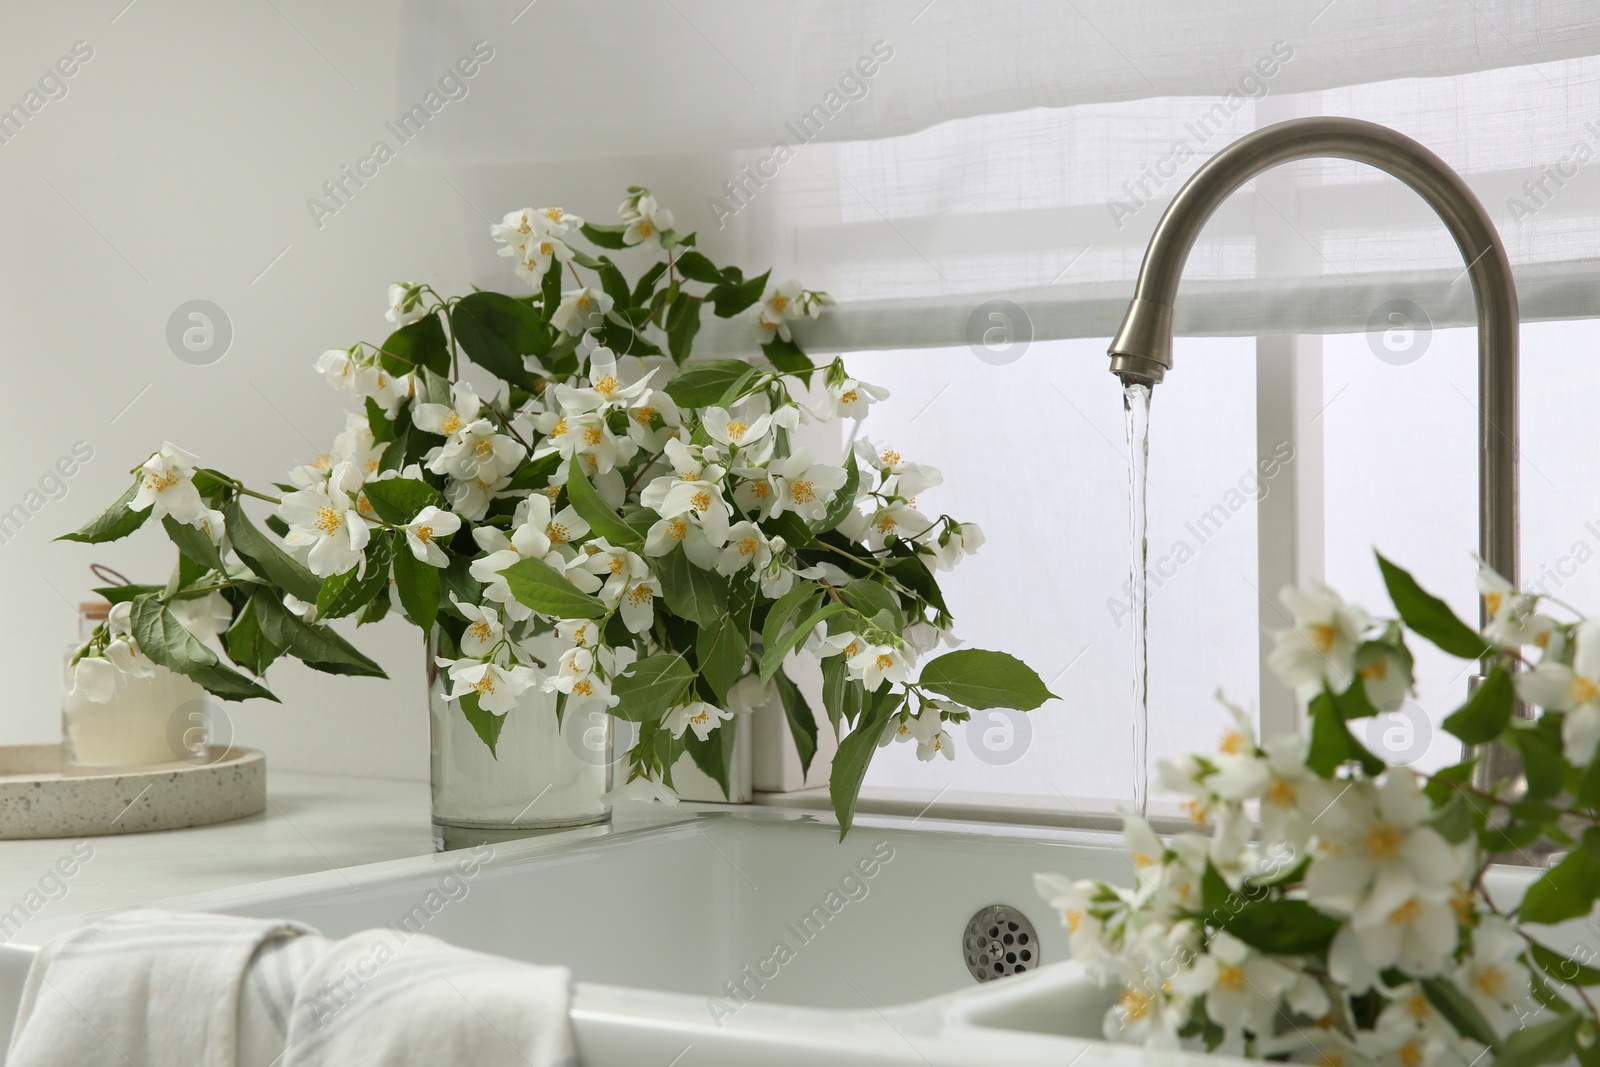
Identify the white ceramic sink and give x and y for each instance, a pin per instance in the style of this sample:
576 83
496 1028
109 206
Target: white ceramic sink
657 922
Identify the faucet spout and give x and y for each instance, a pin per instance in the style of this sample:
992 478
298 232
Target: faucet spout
1141 351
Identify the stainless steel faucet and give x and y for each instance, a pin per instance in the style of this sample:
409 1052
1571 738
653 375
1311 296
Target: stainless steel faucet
1142 348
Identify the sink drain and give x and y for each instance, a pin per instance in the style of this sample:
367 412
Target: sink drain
998 941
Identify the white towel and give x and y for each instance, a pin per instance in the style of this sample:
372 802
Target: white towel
159 989
386 996
147 988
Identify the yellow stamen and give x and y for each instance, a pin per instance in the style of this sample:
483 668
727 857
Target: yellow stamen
1406 914
1231 979
802 491
736 431
452 422
425 535
329 521
1282 793
678 529
557 533
1382 841
1322 637
1234 743
607 385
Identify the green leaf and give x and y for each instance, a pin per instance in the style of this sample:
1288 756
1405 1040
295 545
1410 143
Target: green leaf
844 501
1430 617
791 527
622 335
683 324
193 543
375 611
417 585
546 590
701 384
772 655
316 646
114 523
266 558
1454 821
486 724
1214 889
870 598
229 684
165 640
720 648
701 596
589 504
651 687
714 755
1546 1042
419 344
802 720
116 594
728 299
794 602
1565 891
842 696
614 284
1540 746
787 357
1459 1011
496 331
975 678
1562 969
399 500
855 753
647 285
1485 714
1332 744
605 236
697 268
247 645
344 594
1282 927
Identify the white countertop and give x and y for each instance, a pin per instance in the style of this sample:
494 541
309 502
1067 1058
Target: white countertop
312 823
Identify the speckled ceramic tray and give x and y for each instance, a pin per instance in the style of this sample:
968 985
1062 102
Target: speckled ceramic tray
37 800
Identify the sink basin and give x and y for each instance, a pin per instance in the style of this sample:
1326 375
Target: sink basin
744 936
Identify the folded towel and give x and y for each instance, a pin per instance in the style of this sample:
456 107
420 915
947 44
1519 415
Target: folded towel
146 988
159 989
386 996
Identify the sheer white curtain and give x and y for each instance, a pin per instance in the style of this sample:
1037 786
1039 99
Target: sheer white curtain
936 155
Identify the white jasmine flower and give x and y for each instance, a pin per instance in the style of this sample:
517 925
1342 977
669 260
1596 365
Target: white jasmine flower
497 687
166 486
688 531
581 310
750 694
875 664
850 399
928 729
1385 674
732 430
296 606
471 498
450 420
747 546
646 220
1574 690
653 420
896 521
1322 643
423 532
698 716
94 679
483 632
955 544
405 304
804 486
329 524
1492 975
780 305
1374 841
207 617
898 477
1241 986
1514 620
478 453
339 367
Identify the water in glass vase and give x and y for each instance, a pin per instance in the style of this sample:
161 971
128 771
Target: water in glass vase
544 774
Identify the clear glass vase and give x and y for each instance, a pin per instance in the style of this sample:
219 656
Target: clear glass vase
543 775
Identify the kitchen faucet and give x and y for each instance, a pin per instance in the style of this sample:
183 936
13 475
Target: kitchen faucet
1141 352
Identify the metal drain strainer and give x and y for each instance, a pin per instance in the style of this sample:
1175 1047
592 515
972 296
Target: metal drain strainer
998 941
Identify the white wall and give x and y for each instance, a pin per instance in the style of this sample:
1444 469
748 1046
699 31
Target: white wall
177 167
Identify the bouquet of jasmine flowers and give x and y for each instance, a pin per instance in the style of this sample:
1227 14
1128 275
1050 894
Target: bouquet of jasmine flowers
1359 928
553 463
